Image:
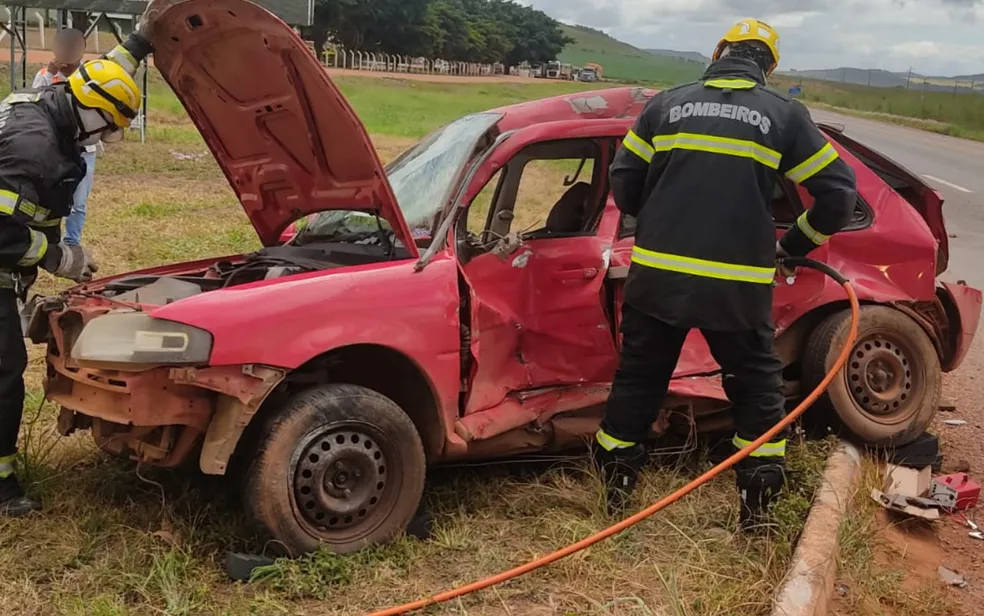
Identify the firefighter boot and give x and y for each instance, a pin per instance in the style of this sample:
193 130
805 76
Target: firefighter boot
13 502
760 481
620 468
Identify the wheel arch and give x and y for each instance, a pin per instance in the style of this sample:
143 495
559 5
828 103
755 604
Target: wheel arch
382 369
790 343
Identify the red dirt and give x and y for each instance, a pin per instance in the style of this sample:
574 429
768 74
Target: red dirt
965 390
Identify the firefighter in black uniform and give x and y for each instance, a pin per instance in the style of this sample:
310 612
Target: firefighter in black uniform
42 133
698 171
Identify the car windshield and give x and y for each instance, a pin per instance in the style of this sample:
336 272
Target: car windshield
422 179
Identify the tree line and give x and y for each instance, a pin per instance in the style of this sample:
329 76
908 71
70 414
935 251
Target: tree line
484 31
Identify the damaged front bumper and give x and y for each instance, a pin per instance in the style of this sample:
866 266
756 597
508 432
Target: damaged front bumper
160 416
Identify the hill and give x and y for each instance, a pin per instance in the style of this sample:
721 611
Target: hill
689 56
624 62
878 78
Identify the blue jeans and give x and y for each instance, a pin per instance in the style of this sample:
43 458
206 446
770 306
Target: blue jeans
75 220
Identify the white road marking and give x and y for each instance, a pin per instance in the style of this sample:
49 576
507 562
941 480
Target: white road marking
950 184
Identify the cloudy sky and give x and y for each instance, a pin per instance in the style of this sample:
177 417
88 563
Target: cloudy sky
933 36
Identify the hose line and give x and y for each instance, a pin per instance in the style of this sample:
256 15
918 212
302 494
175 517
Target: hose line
685 490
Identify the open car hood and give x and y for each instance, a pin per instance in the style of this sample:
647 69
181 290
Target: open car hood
284 135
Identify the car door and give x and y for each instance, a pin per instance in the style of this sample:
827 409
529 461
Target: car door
534 258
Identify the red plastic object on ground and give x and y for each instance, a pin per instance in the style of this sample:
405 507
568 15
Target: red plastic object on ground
967 490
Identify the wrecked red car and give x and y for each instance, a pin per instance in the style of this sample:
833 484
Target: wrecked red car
442 307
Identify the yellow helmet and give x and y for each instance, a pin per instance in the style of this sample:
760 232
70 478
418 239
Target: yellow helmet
751 30
106 86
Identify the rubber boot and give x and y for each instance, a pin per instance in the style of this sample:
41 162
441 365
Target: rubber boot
13 502
619 470
760 482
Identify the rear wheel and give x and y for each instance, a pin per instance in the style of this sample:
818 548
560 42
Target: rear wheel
339 466
890 389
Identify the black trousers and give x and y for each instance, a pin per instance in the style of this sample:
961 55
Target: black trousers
13 362
650 351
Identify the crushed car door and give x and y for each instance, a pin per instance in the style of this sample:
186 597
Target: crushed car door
534 262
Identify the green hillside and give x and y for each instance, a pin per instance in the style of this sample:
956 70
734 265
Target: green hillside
623 62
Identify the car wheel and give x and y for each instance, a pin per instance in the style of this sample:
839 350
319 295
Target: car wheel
889 391
339 466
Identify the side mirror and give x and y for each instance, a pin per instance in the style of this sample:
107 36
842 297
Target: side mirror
507 246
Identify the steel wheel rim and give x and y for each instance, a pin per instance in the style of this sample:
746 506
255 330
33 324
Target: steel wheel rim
882 380
343 481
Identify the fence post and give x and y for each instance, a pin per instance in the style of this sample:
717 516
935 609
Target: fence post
41 28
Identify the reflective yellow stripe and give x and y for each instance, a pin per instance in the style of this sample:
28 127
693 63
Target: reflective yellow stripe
39 246
610 443
815 236
7 466
718 145
703 268
769 450
22 97
122 56
732 84
11 201
44 224
813 165
638 146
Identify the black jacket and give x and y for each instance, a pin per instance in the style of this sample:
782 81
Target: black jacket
698 171
40 168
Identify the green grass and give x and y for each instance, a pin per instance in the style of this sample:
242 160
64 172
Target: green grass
623 62
960 115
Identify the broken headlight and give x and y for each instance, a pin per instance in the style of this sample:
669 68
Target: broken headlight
132 341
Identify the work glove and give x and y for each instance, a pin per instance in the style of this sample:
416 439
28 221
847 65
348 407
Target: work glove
781 254
70 262
145 26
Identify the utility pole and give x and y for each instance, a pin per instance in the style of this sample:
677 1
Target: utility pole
908 79
869 77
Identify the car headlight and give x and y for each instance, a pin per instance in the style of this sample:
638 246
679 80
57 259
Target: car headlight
133 341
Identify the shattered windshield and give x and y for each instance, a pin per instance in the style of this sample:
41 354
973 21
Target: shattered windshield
422 179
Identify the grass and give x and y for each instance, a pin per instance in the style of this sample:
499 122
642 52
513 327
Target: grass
120 540
960 115
623 62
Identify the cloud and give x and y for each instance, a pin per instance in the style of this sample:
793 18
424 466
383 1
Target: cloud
933 36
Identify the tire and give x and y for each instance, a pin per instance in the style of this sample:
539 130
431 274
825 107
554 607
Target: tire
338 466
889 392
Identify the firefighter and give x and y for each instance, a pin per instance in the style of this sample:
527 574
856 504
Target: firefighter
698 171
43 133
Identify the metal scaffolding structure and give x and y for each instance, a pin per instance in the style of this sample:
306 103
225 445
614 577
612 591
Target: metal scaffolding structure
87 15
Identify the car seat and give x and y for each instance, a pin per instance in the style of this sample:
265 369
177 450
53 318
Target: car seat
567 215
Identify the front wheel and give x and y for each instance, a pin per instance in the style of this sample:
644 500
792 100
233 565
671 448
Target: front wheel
889 391
339 466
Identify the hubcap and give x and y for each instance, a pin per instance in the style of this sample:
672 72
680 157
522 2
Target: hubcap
339 479
880 376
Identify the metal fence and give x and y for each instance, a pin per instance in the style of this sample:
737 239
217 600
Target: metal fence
338 57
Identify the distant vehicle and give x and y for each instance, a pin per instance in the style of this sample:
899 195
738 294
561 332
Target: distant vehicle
553 70
567 72
588 75
597 70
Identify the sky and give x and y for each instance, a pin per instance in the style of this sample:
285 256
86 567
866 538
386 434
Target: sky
934 37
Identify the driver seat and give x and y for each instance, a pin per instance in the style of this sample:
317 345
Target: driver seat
567 215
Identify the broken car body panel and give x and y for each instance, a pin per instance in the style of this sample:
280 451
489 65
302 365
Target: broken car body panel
286 138
490 352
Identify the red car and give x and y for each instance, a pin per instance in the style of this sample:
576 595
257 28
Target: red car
417 318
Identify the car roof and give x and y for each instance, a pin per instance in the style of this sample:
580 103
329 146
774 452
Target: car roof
624 102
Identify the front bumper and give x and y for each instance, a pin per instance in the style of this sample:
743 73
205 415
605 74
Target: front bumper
159 416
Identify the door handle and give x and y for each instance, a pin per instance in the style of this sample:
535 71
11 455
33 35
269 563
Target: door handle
577 275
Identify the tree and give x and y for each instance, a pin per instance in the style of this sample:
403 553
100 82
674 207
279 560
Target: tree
458 30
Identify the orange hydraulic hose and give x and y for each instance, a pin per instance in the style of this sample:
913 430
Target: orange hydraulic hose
666 501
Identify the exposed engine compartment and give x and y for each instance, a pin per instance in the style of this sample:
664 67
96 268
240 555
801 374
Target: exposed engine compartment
265 264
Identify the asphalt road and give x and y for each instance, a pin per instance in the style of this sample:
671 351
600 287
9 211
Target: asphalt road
953 166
